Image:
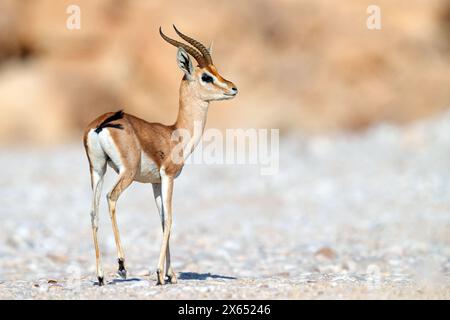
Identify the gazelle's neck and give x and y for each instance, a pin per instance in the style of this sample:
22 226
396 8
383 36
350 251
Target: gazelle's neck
192 115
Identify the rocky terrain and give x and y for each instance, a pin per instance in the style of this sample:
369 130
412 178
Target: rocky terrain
347 216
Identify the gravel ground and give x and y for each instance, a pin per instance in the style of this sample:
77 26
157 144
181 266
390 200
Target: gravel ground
347 216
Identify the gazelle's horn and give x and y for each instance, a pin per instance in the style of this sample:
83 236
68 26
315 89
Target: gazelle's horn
197 55
210 48
197 45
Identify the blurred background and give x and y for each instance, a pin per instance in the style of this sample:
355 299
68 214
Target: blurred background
310 66
359 208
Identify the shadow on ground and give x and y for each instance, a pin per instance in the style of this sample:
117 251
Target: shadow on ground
202 276
114 281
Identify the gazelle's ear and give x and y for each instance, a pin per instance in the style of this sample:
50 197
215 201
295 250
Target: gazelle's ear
185 63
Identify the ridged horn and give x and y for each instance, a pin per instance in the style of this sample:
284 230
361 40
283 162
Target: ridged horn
197 55
196 44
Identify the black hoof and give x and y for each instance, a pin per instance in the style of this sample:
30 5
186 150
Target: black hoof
172 279
122 272
101 281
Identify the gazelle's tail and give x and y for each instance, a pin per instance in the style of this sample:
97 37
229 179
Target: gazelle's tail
107 122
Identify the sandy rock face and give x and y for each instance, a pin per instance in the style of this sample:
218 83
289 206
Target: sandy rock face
299 64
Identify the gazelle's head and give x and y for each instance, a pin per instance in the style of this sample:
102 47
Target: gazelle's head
203 78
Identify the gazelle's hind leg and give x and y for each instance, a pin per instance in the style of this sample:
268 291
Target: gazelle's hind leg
97 163
158 199
97 182
125 179
122 150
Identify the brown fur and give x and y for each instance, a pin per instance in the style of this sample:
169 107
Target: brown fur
134 137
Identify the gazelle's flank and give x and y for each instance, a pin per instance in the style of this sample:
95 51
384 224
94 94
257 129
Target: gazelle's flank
141 151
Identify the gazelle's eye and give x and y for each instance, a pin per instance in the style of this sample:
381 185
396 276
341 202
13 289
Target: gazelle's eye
207 78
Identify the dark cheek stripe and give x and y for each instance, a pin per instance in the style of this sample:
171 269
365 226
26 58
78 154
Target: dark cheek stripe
219 78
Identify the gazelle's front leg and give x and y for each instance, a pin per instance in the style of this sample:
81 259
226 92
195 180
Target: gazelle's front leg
166 192
158 199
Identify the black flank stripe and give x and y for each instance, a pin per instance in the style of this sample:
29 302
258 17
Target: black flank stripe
106 123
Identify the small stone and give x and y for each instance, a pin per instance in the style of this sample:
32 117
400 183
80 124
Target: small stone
143 273
58 258
325 252
283 274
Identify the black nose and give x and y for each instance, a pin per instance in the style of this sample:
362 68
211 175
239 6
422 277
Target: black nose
234 89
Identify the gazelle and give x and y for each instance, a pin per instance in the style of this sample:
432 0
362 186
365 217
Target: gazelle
141 151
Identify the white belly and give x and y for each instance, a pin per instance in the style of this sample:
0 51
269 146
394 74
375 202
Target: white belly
149 171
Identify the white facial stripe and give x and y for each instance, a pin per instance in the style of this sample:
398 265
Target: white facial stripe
221 84
218 83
